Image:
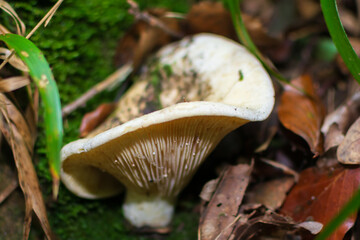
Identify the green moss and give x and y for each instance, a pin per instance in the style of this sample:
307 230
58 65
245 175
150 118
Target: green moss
79 43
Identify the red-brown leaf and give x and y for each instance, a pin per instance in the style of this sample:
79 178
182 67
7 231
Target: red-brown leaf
303 114
92 119
320 194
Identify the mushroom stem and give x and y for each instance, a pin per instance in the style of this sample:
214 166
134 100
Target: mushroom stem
148 210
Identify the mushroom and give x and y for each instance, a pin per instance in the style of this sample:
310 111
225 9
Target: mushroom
213 85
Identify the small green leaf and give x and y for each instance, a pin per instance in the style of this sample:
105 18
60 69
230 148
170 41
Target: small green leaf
40 72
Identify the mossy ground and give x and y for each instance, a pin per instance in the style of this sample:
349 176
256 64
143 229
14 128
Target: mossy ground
79 43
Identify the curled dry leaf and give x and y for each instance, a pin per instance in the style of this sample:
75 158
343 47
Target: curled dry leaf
217 220
92 119
320 195
348 151
26 173
303 114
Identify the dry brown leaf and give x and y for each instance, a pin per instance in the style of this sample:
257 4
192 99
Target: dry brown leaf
348 151
13 83
272 193
21 124
333 137
320 195
217 220
20 26
15 61
209 189
93 119
303 114
27 176
344 115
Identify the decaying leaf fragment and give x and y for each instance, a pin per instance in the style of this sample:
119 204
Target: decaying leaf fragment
348 151
271 193
303 114
320 195
266 224
218 219
26 173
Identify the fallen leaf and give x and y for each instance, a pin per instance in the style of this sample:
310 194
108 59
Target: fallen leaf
93 119
333 137
21 124
15 61
348 151
13 83
217 219
303 114
272 193
266 223
320 195
26 174
344 115
209 189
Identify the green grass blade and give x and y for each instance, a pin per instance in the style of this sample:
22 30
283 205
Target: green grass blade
42 76
351 207
339 37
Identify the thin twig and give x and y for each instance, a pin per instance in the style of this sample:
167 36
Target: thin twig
151 20
46 18
8 190
118 76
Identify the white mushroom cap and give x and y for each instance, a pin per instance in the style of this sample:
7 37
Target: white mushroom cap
155 155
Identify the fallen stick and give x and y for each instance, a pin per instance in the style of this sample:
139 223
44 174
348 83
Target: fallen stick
117 77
